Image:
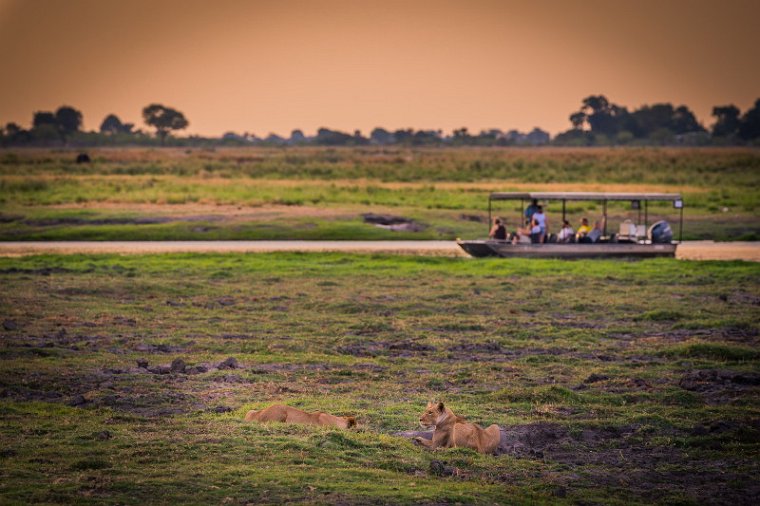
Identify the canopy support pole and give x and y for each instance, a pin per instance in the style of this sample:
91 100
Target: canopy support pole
489 215
563 212
605 218
680 227
646 216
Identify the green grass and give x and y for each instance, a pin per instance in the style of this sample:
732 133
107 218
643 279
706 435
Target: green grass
573 346
442 188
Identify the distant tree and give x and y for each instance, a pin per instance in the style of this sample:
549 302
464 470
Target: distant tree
297 137
164 120
381 136
112 125
726 120
426 137
359 139
69 121
749 129
327 137
683 121
274 139
578 120
538 137
574 137
11 129
44 128
404 136
42 118
14 134
649 119
603 117
461 136
662 136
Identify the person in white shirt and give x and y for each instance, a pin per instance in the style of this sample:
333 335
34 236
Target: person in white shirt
567 233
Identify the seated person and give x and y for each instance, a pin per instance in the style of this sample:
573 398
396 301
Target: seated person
522 234
498 231
583 230
567 233
596 233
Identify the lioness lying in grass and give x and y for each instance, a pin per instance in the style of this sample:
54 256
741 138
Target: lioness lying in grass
452 431
282 413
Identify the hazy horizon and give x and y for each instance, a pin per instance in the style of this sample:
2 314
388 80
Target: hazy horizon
266 66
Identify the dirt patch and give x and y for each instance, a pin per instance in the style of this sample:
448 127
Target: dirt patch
150 404
486 347
210 212
621 458
711 380
71 221
385 348
395 223
476 218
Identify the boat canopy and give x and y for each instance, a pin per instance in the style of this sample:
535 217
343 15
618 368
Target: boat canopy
636 200
584 196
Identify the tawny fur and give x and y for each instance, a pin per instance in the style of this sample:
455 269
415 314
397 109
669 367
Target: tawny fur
452 431
287 414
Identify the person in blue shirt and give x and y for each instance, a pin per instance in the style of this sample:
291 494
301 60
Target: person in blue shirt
540 218
532 208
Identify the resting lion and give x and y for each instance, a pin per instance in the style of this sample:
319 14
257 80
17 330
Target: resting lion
282 413
452 431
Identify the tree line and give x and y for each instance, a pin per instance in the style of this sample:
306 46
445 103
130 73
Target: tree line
65 126
598 122
601 122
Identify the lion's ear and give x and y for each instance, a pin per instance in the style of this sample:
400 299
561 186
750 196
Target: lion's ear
351 421
440 407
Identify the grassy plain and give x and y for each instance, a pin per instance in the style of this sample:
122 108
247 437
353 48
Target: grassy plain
321 193
616 382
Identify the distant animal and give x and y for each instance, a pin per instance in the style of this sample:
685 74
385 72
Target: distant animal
83 158
287 414
452 431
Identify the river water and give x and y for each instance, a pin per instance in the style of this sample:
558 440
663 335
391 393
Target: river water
689 250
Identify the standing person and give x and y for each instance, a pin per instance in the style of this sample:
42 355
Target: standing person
536 237
540 218
532 208
498 231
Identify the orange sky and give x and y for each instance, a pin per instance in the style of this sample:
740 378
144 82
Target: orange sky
273 65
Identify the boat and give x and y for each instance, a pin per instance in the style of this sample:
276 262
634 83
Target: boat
633 239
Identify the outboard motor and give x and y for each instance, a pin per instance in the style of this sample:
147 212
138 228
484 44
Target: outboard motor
660 233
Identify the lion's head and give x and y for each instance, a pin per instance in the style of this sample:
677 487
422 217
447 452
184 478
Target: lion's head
429 417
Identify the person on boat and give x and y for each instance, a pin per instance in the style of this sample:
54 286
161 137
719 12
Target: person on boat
530 211
498 231
583 230
543 223
567 233
522 234
597 231
536 232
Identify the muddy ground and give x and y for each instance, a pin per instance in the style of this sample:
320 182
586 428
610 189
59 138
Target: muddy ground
612 382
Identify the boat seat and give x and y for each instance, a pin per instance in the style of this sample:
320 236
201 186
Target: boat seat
627 231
